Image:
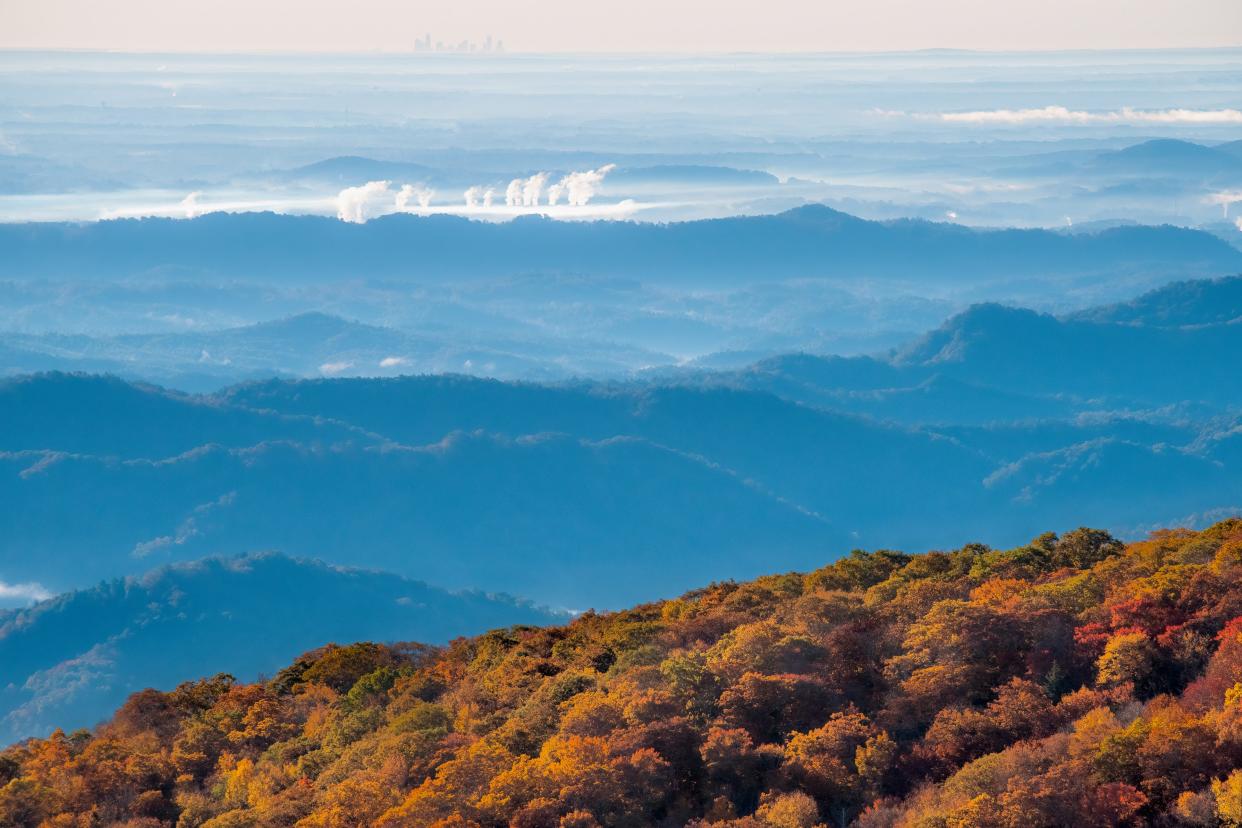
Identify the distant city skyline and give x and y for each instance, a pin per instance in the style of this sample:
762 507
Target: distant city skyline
430 43
638 26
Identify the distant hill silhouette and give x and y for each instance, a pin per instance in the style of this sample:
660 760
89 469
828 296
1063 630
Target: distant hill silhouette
101 415
811 241
689 174
995 363
305 344
1170 157
1233 148
68 661
1200 302
352 170
560 519
1025 352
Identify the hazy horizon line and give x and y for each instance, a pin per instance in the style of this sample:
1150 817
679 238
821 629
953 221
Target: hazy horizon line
518 52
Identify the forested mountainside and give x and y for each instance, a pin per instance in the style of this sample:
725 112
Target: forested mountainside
1073 680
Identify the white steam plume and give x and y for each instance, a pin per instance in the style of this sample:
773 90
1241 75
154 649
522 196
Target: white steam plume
513 193
533 189
374 199
357 204
1225 200
419 194
191 206
27 593
378 198
579 187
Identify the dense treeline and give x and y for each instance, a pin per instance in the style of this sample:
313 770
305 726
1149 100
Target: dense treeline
1073 681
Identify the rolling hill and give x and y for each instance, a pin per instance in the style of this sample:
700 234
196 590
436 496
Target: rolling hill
560 519
312 344
70 660
810 241
1186 303
1168 157
999 422
990 362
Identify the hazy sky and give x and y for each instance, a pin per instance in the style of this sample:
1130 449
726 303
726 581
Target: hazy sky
620 25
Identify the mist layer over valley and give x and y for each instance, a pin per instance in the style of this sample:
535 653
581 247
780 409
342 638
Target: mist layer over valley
998 139
200 303
1011 417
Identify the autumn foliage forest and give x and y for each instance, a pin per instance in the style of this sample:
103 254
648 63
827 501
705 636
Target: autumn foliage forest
1074 681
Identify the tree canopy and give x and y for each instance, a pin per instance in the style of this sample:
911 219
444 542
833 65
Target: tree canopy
1073 681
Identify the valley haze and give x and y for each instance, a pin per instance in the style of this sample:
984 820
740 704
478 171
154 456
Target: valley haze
738 422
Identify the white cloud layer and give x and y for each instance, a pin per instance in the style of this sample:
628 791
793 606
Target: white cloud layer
21 594
1064 115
